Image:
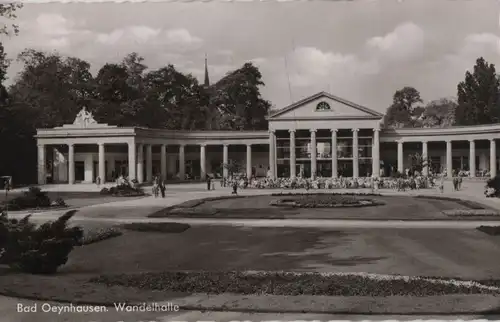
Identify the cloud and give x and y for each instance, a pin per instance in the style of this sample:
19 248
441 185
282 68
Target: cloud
406 41
132 34
310 65
181 37
53 25
483 42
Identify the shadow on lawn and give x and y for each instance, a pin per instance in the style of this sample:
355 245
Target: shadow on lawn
213 248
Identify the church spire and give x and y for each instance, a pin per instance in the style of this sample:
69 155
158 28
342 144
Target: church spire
207 80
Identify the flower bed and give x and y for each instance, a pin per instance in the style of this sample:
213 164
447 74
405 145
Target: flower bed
123 190
471 213
95 236
340 183
325 201
167 227
288 283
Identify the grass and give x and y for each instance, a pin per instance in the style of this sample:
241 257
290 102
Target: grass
261 207
209 253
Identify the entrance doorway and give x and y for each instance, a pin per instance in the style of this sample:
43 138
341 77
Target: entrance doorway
79 171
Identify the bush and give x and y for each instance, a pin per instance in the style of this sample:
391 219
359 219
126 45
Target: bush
33 198
38 250
168 227
494 183
94 236
122 190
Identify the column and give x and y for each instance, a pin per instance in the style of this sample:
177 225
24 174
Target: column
472 158
376 153
493 158
163 161
41 164
249 161
271 154
355 154
203 162
225 161
449 164
400 157
131 161
425 158
293 162
71 163
182 162
140 163
149 163
335 169
102 163
314 154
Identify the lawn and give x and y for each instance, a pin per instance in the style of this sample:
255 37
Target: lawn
74 198
258 207
145 258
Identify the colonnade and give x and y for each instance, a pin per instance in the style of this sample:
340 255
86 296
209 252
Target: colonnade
355 152
137 171
449 164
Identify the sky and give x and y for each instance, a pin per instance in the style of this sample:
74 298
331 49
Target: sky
362 51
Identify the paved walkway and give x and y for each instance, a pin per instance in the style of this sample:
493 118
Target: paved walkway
9 313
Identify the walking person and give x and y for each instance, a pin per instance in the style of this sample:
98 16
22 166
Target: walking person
235 187
209 182
162 188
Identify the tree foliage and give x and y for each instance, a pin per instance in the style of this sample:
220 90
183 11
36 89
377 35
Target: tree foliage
439 113
405 110
8 12
479 96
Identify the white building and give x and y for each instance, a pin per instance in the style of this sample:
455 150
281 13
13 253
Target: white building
322 134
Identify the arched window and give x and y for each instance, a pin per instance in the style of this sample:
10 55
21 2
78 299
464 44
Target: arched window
323 106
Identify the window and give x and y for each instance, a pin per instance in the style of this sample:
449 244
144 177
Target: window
323 106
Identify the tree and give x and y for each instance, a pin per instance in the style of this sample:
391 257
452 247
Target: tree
237 97
233 167
479 96
174 100
405 110
52 88
439 113
113 96
8 11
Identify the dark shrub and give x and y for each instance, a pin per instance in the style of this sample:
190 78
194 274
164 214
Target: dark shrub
166 227
104 191
494 183
123 190
33 198
38 250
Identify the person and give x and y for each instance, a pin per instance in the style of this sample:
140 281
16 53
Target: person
235 187
162 188
209 181
441 184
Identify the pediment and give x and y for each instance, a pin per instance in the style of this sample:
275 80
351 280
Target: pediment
324 105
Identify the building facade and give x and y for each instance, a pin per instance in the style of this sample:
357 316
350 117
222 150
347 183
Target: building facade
322 135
